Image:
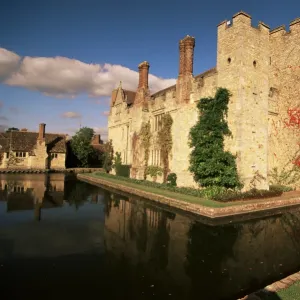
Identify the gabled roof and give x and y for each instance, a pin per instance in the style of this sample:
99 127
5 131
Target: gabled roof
26 141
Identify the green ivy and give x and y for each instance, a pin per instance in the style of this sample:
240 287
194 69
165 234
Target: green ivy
165 143
145 135
209 163
154 171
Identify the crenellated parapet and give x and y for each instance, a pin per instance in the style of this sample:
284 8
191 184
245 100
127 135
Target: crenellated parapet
242 20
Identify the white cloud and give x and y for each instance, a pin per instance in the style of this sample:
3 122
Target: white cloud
105 113
9 62
71 115
65 77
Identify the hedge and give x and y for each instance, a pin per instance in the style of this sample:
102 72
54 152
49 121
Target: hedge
123 170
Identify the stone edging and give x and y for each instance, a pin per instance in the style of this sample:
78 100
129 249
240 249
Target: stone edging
198 209
274 287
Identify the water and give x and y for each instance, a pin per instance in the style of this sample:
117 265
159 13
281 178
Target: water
65 239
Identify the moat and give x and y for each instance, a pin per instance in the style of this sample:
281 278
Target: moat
65 239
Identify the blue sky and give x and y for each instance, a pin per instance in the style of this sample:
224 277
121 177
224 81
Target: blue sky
60 59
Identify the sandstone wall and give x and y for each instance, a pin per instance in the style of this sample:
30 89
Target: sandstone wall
59 162
284 97
39 160
243 68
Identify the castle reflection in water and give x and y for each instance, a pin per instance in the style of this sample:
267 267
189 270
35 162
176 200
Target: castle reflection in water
166 246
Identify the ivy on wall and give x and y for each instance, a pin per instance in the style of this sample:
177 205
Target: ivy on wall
145 135
210 164
165 143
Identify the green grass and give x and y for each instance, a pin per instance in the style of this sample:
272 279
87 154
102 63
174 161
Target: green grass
290 293
166 193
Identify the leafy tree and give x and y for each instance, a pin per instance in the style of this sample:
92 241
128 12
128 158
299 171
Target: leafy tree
12 129
210 164
108 156
81 146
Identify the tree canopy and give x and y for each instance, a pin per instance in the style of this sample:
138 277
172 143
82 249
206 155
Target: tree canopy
81 146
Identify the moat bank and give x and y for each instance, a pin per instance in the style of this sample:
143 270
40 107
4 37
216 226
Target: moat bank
202 207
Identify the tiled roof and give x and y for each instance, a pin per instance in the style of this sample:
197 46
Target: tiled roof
99 147
130 96
26 141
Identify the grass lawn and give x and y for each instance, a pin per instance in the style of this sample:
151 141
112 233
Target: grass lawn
290 293
166 193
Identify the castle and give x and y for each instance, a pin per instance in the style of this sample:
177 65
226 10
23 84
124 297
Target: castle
261 69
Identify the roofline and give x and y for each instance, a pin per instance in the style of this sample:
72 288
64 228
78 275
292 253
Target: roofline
212 70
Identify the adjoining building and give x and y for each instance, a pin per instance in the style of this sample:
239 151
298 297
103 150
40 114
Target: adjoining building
261 69
33 150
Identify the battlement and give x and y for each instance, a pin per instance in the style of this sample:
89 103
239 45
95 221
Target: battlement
294 27
242 19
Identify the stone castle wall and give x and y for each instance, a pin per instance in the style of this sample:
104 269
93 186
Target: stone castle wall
261 70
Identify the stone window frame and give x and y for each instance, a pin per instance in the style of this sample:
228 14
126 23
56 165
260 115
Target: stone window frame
157 121
156 157
21 154
54 155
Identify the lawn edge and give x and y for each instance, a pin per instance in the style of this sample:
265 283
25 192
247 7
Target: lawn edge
198 209
275 287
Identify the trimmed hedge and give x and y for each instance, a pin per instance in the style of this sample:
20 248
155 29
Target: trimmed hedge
252 194
213 193
282 188
123 170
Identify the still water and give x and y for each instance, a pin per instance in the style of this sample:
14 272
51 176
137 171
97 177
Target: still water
65 239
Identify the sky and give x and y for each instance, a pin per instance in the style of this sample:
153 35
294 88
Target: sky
61 59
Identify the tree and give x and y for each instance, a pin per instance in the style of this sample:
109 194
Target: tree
12 129
210 164
81 146
108 156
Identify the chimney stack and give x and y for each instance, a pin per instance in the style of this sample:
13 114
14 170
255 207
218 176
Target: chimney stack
189 45
143 74
181 57
96 139
186 55
42 131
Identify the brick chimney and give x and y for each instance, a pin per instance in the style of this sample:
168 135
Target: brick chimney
181 57
189 45
42 132
96 139
143 74
185 76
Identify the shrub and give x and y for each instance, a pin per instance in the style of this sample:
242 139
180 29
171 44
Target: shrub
210 164
171 179
123 170
236 195
282 188
154 171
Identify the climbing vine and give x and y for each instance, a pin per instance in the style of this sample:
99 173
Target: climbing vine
210 164
145 135
164 139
